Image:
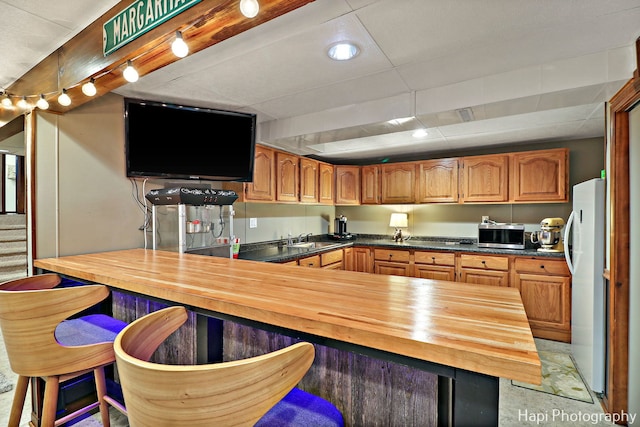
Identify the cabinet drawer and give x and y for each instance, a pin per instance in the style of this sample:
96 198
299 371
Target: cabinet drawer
312 261
435 258
542 266
391 255
331 257
485 262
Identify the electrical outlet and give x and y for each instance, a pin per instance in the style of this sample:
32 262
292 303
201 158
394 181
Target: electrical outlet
253 222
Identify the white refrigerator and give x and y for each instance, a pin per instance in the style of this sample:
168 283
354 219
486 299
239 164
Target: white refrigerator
586 229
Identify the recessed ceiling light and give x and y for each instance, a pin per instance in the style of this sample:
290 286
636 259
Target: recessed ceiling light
343 51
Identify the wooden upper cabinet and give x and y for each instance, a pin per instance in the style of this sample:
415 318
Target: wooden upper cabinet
263 187
370 176
485 178
540 175
309 180
437 181
325 177
397 182
347 185
286 177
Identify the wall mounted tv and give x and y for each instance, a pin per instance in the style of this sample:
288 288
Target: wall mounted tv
184 142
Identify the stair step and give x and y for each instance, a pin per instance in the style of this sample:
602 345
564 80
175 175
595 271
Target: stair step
12 235
5 277
12 261
13 248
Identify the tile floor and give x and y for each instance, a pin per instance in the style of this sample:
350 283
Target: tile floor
518 406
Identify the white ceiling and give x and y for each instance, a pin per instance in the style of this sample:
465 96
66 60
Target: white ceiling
526 71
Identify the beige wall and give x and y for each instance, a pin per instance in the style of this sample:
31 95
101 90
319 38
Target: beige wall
85 202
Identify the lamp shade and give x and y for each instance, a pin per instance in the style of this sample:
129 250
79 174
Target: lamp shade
398 220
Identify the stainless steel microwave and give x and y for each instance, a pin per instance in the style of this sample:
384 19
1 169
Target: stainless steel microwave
504 236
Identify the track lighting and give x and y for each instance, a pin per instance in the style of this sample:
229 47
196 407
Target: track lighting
6 101
22 103
130 74
89 88
249 8
42 103
179 47
64 99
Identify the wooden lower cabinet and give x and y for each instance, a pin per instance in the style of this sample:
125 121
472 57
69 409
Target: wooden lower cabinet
392 261
544 283
310 261
332 260
435 265
545 288
484 270
363 259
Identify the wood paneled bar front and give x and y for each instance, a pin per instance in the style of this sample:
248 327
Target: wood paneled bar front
388 332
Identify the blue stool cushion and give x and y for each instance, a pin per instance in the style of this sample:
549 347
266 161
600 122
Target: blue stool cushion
90 329
302 409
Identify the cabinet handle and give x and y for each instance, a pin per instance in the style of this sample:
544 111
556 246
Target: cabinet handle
484 262
542 266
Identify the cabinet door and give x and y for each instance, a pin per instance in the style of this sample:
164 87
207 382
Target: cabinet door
325 174
370 185
547 301
540 176
435 272
437 181
485 178
286 177
392 268
545 288
397 183
362 260
348 259
309 180
347 185
263 187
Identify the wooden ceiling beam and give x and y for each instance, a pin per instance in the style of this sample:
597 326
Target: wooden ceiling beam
81 58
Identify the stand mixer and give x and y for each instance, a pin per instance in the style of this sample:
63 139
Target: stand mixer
550 236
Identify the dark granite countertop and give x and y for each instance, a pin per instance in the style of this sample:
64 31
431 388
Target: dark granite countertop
275 252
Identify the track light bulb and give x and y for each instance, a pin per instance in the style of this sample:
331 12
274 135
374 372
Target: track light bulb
6 101
179 47
64 99
130 74
42 103
89 88
22 103
249 8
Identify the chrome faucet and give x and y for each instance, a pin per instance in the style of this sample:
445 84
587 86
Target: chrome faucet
303 236
289 240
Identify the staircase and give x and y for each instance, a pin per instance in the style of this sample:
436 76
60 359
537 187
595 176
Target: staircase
13 247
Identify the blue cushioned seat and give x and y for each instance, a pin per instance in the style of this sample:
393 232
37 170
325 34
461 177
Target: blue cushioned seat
91 329
301 409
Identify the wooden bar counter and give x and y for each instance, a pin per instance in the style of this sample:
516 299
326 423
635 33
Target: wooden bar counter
469 335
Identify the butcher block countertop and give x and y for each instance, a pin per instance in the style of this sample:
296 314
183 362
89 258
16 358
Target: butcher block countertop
478 328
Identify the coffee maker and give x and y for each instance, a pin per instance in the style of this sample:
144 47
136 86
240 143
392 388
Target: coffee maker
340 229
549 236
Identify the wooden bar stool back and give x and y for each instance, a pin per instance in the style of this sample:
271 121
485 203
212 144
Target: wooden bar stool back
41 341
253 391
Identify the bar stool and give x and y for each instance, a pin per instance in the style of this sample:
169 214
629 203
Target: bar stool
41 341
254 391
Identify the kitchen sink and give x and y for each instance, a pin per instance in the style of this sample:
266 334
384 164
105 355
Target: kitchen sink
312 245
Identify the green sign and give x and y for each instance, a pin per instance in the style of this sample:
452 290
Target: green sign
138 18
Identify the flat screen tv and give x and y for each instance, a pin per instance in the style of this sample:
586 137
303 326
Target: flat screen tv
165 140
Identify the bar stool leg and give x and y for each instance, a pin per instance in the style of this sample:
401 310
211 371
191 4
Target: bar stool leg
50 402
101 389
18 401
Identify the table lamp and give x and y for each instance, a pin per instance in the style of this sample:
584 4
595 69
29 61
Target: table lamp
399 221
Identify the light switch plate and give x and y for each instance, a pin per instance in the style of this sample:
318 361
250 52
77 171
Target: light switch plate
253 222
